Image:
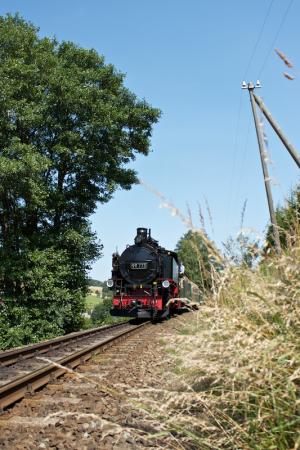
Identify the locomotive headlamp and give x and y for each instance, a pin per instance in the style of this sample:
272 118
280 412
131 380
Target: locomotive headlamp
110 283
166 284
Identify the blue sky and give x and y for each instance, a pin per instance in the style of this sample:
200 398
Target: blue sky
189 59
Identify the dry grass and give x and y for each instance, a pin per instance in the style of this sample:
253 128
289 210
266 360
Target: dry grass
236 373
234 378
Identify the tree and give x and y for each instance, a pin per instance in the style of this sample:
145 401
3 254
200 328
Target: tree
68 129
288 221
195 256
243 250
93 282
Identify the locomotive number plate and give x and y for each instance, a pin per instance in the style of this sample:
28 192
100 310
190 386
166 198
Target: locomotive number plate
139 265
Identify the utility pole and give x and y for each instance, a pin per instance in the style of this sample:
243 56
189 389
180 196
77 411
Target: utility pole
290 148
250 86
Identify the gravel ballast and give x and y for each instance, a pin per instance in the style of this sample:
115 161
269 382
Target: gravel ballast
100 405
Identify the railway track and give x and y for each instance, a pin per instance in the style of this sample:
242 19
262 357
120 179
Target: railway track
26 369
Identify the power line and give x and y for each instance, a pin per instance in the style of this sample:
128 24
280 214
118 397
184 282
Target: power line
258 38
275 38
260 34
235 145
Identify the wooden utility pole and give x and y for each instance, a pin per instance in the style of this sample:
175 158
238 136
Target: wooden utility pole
290 148
250 86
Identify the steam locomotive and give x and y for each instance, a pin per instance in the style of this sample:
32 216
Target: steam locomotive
145 280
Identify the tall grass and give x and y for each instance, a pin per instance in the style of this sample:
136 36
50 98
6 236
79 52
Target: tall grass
235 366
238 362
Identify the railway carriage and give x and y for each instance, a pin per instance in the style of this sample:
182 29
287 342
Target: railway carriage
145 279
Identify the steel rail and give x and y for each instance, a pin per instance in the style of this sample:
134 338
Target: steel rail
9 357
15 390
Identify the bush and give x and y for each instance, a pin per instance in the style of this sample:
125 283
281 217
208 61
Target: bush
21 326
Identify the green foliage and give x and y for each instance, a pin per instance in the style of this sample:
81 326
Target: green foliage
68 128
288 221
21 325
100 313
242 251
194 254
93 282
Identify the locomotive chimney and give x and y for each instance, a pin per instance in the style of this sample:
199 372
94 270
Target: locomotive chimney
141 235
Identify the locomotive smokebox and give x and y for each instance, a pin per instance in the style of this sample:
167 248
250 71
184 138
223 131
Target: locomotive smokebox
141 236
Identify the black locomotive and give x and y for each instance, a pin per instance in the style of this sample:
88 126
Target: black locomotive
145 279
